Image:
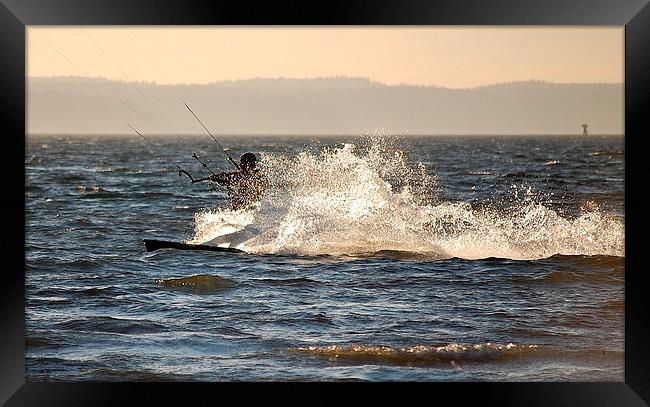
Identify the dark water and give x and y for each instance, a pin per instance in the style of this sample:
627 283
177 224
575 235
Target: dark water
505 262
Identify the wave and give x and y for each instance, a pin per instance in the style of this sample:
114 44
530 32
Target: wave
155 194
107 374
41 342
57 263
110 291
290 282
83 222
553 162
33 188
578 269
566 276
119 170
71 177
113 325
400 255
421 355
368 199
608 152
95 192
82 264
199 284
520 174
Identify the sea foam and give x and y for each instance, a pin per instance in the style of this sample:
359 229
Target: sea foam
353 199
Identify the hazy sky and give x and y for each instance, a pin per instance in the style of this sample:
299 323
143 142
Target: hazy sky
455 57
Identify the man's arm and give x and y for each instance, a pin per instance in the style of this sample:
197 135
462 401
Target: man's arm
223 178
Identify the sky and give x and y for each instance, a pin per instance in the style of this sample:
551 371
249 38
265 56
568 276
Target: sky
453 57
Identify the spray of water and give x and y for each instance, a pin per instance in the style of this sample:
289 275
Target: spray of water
364 198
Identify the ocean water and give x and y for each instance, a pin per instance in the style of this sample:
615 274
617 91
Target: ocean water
375 258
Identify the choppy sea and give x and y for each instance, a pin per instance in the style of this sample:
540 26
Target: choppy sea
375 258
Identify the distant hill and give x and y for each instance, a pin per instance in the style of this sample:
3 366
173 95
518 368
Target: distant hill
71 105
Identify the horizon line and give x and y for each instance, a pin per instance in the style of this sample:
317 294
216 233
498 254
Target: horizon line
371 81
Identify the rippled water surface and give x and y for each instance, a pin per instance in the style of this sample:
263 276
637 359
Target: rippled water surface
369 258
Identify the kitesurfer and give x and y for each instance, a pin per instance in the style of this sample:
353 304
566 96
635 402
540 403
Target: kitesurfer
245 187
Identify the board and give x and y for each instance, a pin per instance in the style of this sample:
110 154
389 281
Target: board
153 244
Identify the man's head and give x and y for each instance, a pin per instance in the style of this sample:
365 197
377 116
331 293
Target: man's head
247 161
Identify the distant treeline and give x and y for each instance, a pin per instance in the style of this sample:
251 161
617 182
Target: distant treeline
70 105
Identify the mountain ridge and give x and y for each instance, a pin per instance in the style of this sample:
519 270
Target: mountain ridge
329 105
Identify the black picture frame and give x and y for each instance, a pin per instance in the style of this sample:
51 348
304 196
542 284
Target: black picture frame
16 14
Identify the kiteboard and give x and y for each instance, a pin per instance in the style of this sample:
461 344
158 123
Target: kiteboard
153 244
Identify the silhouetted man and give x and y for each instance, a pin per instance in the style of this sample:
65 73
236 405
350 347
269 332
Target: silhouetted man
245 187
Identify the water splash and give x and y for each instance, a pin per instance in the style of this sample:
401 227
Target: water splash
364 198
